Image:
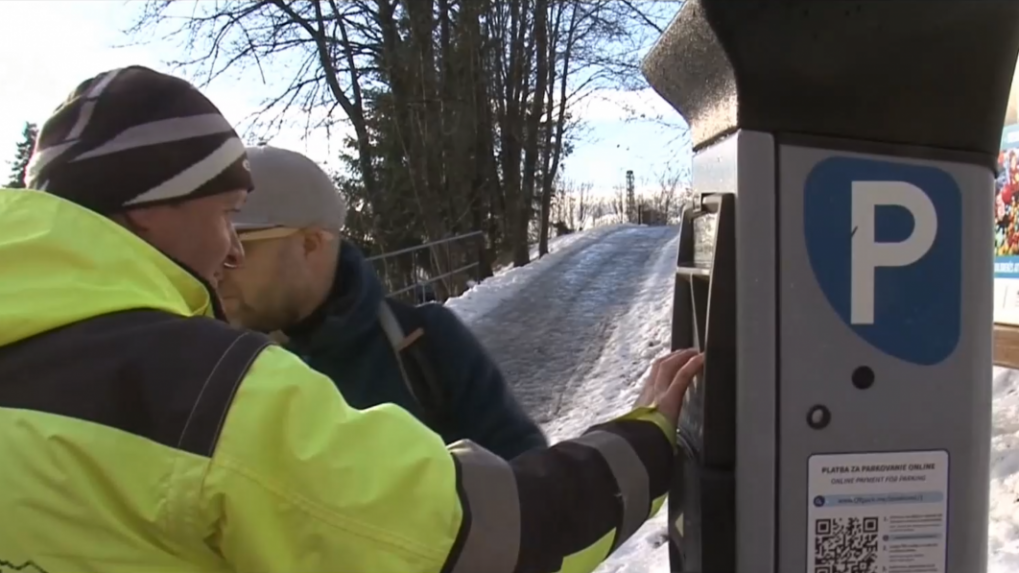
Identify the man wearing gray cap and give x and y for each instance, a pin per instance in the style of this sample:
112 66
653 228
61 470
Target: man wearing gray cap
301 278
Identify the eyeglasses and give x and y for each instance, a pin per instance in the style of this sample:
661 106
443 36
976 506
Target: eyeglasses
266 234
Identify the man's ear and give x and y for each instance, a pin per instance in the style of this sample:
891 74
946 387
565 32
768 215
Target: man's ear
317 241
134 220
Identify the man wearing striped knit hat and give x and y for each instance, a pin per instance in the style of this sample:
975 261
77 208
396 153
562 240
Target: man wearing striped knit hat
140 433
151 152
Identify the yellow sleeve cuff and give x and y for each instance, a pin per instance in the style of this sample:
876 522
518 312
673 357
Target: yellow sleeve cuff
651 414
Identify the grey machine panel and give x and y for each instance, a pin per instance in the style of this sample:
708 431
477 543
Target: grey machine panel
744 164
854 142
756 351
927 342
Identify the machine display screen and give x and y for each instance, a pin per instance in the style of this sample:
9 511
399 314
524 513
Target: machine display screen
704 239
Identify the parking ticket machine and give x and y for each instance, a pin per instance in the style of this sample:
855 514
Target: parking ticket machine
835 266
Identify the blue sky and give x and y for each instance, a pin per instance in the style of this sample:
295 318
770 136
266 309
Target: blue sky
51 46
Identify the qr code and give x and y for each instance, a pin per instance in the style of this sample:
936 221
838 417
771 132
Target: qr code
846 545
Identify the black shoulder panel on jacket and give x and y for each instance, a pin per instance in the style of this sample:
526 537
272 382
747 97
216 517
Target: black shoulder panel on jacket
160 376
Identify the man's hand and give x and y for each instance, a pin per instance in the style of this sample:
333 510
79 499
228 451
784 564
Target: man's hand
670 376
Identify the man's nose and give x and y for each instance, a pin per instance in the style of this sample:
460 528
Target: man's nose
235 257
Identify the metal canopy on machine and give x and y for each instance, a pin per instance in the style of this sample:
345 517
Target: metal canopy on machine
931 73
836 269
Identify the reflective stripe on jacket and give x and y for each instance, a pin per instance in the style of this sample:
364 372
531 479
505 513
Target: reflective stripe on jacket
123 455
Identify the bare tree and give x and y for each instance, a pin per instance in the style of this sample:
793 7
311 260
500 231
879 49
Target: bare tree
316 56
673 187
461 111
619 203
583 195
562 202
571 203
597 208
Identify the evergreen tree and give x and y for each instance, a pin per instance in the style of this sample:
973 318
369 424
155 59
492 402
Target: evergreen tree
24 152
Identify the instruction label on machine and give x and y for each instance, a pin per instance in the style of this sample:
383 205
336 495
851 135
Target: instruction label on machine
877 513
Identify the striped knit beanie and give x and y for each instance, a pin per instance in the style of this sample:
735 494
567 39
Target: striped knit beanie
134 137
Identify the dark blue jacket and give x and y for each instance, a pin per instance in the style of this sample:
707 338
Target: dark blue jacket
344 341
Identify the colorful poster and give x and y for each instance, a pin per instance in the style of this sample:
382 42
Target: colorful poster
1006 216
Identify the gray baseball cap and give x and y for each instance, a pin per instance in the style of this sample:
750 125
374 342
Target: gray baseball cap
290 190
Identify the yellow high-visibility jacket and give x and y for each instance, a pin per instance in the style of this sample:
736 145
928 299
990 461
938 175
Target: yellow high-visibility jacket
138 434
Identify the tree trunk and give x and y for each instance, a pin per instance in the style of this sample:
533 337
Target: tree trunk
546 149
511 132
521 256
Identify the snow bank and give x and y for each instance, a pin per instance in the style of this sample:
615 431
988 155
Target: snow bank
1003 533
603 220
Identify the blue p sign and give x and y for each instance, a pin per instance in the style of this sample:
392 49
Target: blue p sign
885 243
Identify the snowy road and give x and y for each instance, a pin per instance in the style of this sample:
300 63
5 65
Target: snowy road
551 336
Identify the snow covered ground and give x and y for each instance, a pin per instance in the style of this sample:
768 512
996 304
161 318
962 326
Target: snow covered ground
576 332
1003 546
